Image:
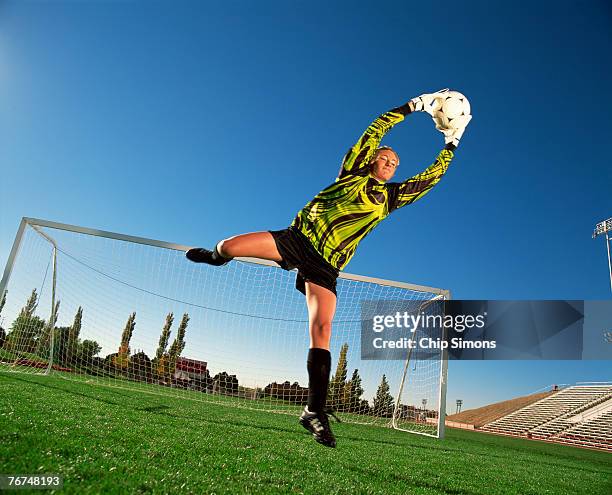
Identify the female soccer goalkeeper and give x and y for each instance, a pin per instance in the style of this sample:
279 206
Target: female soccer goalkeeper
325 233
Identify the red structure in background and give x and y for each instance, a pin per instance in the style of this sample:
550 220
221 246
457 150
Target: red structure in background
191 366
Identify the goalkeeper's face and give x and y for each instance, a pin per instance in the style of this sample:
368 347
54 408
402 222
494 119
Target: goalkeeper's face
384 164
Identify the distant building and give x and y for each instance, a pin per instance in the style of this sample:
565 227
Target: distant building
190 369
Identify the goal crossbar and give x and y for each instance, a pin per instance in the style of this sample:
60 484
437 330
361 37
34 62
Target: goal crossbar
181 247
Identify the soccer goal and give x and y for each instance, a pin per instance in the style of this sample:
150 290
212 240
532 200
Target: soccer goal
123 311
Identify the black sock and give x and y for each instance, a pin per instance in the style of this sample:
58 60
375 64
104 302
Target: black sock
319 366
217 256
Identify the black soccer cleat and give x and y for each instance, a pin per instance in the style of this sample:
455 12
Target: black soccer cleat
201 255
318 425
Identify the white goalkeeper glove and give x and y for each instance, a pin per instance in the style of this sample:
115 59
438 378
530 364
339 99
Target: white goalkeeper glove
454 131
424 103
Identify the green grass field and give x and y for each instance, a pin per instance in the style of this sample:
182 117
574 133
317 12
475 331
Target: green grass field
109 440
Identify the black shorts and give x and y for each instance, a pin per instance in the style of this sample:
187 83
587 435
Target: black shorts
297 252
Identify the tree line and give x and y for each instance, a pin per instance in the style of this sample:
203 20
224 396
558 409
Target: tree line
29 338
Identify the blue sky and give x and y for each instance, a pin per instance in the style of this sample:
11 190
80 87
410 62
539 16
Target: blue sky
192 121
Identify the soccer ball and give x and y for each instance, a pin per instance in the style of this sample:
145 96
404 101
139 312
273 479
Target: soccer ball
450 110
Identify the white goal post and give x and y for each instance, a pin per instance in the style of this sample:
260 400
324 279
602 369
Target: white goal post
124 311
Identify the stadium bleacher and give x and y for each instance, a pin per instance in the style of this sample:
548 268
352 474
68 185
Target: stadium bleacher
578 415
596 433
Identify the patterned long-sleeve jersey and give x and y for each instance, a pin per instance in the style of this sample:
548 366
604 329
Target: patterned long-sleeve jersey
343 213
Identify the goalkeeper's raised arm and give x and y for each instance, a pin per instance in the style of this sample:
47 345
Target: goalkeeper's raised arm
357 159
414 188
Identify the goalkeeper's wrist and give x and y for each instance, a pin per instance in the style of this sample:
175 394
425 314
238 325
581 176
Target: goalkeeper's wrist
416 104
405 109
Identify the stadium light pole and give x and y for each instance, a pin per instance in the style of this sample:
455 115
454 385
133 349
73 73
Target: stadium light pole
601 228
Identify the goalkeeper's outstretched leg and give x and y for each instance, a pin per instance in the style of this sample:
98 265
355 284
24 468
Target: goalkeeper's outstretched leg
253 245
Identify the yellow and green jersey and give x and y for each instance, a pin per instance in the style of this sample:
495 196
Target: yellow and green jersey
343 213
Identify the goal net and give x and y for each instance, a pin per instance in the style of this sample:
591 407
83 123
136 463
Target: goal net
122 311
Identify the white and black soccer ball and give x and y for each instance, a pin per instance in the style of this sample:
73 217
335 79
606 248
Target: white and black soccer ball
450 110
